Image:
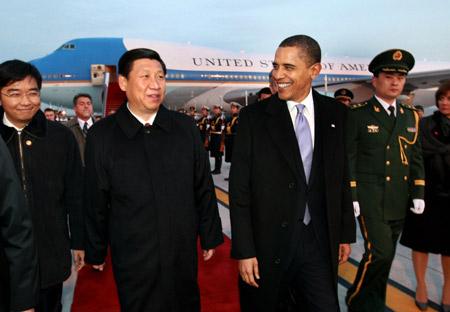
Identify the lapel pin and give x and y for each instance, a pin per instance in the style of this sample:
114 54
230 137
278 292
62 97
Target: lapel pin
333 126
28 142
376 108
401 110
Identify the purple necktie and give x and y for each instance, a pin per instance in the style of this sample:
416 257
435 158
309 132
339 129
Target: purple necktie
303 134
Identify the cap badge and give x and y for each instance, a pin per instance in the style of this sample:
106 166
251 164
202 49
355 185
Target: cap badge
397 56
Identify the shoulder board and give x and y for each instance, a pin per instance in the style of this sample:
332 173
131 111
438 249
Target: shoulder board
358 105
404 105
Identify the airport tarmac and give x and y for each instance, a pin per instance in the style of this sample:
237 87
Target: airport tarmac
400 292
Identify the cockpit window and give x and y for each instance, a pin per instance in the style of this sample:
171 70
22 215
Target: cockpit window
67 46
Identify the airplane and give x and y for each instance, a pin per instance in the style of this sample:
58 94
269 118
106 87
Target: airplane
198 76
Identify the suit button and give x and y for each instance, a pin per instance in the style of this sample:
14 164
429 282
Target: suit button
291 185
405 146
277 261
405 178
284 224
388 178
388 147
388 163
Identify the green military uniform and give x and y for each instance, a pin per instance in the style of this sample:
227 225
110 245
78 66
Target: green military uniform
386 173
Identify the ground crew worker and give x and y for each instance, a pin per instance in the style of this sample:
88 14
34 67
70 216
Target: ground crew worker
386 174
343 95
231 130
216 138
203 125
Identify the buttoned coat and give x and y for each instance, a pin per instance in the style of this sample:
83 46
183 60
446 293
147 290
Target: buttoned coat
150 195
385 159
47 160
268 190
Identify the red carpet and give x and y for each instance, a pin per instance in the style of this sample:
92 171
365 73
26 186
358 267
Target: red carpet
96 291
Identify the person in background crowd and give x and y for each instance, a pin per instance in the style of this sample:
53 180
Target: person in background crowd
50 114
216 146
230 131
272 84
291 214
345 96
430 232
203 126
263 94
386 174
48 163
83 121
149 194
192 112
18 259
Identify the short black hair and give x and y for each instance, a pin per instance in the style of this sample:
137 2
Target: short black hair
77 96
127 59
16 70
48 109
442 90
307 44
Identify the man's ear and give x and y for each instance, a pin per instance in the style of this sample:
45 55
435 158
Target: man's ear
315 70
123 83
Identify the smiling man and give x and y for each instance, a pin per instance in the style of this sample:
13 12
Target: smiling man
48 163
149 194
387 174
291 214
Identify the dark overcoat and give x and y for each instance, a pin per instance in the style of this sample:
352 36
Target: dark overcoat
18 259
150 195
47 160
268 190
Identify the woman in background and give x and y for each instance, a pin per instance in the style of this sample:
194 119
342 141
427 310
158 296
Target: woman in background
430 231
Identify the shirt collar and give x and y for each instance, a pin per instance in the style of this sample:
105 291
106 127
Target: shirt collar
81 122
141 120
8 123
308 102
385 104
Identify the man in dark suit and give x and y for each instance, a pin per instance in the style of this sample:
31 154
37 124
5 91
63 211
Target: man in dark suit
82 105
291 212
149 194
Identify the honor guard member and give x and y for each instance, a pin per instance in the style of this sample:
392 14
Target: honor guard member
386 174
203 125
345 96
230 130
216 138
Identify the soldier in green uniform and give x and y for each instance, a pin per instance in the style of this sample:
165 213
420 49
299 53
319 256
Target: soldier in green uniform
386 174
203 125
216 146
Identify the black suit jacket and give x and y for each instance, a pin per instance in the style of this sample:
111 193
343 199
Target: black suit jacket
268 189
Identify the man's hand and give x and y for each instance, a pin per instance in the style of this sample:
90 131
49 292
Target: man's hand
78 259
344 252
208 254
249 271
99 267
419 206
356 209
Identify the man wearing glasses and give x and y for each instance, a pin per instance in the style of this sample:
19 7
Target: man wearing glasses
47 160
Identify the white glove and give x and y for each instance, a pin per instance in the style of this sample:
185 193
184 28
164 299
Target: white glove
419 206
356 209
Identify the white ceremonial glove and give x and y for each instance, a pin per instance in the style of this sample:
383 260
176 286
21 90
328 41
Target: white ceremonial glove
419 206
356 209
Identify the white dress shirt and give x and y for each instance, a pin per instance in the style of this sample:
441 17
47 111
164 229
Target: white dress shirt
386 106
308 112
141 120
81 122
